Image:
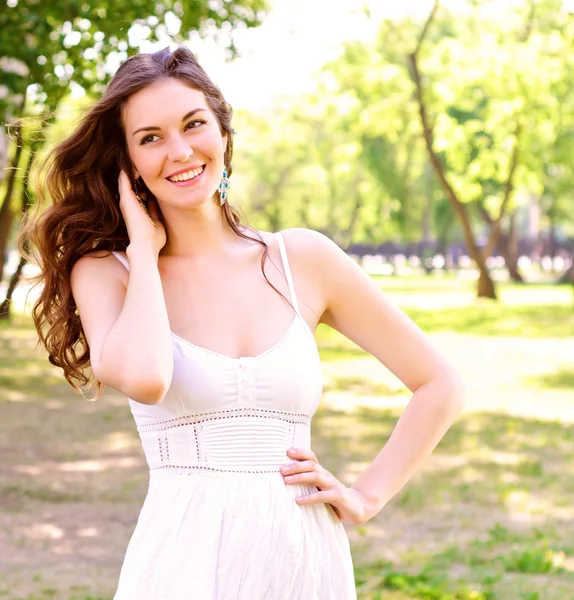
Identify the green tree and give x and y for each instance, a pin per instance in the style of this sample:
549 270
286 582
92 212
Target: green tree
300 166
384 121
480 98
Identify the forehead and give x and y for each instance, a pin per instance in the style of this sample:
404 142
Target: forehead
162 102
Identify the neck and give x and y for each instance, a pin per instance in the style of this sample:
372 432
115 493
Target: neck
200 231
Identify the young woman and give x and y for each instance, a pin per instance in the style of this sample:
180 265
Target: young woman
151 279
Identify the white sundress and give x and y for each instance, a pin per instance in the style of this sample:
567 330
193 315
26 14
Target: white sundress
218 521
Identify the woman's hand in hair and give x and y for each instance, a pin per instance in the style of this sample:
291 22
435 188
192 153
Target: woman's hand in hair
141 227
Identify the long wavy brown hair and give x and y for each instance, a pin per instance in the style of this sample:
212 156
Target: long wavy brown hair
78 181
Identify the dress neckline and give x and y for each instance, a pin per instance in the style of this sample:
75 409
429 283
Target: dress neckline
294 304
275 346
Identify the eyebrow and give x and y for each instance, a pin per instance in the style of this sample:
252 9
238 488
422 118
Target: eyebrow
155 127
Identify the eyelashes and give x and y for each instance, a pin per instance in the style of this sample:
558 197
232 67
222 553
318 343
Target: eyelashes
149 138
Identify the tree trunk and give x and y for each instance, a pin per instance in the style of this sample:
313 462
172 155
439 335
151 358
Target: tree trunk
511 262
424 250
26 203
495 225
508 245
14 281
3 152
509 251
485 287
6 214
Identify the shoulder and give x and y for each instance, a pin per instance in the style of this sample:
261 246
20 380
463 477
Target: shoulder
320 258
100 264
320 262
308 250
301 237
99 257
309 243
314 250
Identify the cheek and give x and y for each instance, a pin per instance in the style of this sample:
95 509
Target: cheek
146 162
216 144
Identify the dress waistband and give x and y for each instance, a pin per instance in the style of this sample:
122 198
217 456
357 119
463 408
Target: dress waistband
237 441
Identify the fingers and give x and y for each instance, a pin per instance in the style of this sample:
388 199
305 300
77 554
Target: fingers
348 505
306 462
299 467
317 477
313 478
123 182
307 470
300 454
319 497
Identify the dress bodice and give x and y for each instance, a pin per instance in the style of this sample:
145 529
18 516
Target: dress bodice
235 414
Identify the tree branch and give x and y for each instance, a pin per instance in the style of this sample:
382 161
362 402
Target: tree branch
484 214
508 187
426 27
436 164
485 284
530 22
495 224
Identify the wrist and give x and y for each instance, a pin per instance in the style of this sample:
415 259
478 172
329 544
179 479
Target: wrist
141 248
371 504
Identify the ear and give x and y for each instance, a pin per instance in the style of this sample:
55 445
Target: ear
225 138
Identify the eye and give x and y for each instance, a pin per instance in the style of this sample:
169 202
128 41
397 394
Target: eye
194 124
148 138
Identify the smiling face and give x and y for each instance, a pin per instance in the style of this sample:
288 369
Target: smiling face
174 142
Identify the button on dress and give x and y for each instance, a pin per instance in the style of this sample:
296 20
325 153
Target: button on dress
218 521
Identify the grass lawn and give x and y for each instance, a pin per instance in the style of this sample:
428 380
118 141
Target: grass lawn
491 516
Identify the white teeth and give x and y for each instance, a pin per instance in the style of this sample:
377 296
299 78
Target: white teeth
187 175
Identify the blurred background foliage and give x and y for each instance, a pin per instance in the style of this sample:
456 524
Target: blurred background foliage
494 87
487 173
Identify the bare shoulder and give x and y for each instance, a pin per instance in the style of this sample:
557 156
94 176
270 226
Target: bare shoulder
318 266
100 264
316 253
311 247
301 239
297 237
310 252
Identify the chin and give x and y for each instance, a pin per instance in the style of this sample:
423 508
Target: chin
192 201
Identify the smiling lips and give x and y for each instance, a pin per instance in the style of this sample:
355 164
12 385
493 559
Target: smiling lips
187 175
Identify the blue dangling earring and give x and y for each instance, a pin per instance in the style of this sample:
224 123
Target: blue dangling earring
223 187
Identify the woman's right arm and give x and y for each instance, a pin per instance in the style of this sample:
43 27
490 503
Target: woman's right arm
126 322
127 328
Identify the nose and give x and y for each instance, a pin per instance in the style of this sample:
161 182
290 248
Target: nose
179 150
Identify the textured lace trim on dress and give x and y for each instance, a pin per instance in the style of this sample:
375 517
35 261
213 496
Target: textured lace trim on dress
243 440
192 468
298 418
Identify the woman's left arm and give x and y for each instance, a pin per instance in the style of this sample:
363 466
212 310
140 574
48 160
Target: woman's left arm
356 307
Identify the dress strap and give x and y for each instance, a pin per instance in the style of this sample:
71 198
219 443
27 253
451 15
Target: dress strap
121 259
287 270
